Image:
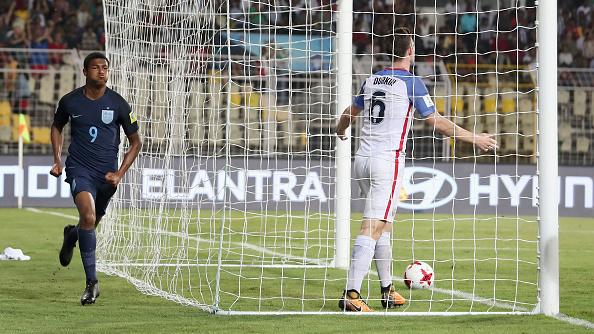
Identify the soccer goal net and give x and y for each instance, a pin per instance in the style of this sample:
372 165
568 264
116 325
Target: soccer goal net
241 201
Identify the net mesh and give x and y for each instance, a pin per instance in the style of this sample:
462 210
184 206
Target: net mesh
230 205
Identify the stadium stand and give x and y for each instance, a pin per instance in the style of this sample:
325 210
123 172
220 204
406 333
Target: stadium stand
39 62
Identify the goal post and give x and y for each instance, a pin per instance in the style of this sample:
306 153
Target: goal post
344 80
242 200
548 159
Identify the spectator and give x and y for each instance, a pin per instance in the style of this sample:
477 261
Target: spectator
57 43
491 15
73 34
20 8
83 16
522 24
256 16
561 22
423 31
572 30
516 54
4 25
584 12
468 21
22 94
40 39
89 40
529 57
61 7
485 35
588 50
236 14
468 28
10 63
360 37
450 7
566 54
430 42
96 8
98 27
40 12
17 37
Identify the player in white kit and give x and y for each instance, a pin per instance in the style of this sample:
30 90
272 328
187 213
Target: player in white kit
387 99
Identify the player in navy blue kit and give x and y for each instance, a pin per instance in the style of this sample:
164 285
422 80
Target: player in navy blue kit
96 114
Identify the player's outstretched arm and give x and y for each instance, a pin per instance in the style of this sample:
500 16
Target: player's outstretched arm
347 117
57 139
114 178
483 141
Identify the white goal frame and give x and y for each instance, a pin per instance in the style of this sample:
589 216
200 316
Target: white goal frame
547 162
548 284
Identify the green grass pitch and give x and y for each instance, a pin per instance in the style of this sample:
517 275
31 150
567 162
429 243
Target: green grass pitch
40 296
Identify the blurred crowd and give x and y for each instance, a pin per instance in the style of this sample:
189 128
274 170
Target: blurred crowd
504 35
576 33
457 32
44 28
51 24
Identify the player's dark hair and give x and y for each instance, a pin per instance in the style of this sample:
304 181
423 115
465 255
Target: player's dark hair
401 41
94 55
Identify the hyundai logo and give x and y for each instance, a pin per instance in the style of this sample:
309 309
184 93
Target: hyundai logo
427 188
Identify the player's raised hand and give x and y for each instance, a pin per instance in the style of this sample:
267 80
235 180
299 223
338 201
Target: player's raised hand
56 169
113 178
485 142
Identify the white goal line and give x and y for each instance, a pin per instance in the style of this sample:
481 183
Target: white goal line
272 266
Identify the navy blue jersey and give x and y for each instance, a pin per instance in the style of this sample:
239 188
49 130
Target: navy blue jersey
94 131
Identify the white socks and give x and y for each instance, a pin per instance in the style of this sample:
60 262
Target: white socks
363 251
383 259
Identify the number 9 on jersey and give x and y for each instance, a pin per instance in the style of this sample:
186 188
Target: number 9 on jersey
93 133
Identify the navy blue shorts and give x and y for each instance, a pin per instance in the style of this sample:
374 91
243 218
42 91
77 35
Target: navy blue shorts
101 192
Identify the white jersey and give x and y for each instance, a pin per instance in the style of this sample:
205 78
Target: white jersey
387 98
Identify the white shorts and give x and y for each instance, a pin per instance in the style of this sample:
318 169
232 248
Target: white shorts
379 178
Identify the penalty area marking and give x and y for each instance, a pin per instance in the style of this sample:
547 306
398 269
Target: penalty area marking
481 300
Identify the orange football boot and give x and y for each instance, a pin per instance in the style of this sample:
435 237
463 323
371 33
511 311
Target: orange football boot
391 298
351 302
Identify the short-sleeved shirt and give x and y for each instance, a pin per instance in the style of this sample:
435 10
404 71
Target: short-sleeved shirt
387 98
94 131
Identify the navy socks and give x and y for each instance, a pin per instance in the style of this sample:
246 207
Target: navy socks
87 243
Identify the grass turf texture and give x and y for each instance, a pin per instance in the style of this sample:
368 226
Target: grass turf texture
40 296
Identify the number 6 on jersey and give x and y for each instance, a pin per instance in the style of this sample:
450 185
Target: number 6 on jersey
378 107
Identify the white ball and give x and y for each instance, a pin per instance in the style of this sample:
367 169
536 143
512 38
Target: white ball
419 275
